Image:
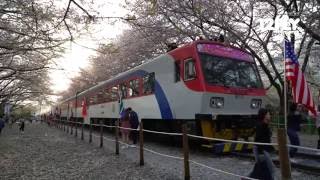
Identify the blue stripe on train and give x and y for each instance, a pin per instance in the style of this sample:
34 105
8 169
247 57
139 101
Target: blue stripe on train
162 100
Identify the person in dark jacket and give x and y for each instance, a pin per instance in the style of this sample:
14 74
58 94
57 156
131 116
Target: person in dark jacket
1 124
293 126
263 168
22 126
318 125
134 123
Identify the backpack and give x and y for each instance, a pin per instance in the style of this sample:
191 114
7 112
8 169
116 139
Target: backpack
134 120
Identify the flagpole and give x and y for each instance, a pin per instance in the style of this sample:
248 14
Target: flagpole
285 83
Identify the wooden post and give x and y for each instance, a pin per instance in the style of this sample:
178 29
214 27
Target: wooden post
141 143
90 132
71 126
185 152
101 134
117 136
67 124
82 126
76 126
283 155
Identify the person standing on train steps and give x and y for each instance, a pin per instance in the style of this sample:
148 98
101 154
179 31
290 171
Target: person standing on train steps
264 167
293 127
134 123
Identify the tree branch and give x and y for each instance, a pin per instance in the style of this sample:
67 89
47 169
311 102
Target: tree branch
306 57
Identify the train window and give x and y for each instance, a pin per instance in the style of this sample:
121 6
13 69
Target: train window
91 100
177 71
148 83
229 72
134 88
123 90
107 95
189 69
100 96
114 93
95 98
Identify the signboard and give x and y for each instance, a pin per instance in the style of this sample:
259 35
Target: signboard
225 51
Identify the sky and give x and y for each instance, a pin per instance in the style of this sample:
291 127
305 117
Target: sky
76 57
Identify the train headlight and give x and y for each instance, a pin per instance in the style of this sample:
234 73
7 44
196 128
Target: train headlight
256 103
217 102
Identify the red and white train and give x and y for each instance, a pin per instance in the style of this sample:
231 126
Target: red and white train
213 87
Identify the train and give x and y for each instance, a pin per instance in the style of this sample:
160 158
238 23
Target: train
213 87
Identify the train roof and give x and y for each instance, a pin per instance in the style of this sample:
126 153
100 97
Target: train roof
194 43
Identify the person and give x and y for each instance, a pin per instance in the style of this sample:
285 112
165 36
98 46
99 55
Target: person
263 168
318 125
134 123
125 123
1 124
22 126
293 126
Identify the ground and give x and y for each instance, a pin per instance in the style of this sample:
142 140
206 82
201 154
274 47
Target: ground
44 152
47 153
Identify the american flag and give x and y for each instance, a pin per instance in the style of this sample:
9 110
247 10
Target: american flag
300 90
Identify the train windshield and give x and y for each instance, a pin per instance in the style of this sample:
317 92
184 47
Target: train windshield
229 72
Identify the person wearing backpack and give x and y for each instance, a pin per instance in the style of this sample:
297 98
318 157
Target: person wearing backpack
134 123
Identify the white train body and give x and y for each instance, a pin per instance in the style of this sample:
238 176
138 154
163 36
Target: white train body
180 90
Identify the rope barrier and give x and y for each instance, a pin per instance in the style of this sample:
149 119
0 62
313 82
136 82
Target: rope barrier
232 141
282 124
109 126
128 128
302 147
166 133
181 158
193 136
221 171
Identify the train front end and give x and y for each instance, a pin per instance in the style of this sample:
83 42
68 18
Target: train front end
232 91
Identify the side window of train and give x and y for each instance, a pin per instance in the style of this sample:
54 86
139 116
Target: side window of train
148 83
100 96
123 90
189 70
107 94
95 98
177 71
114 93
91 99
134 88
